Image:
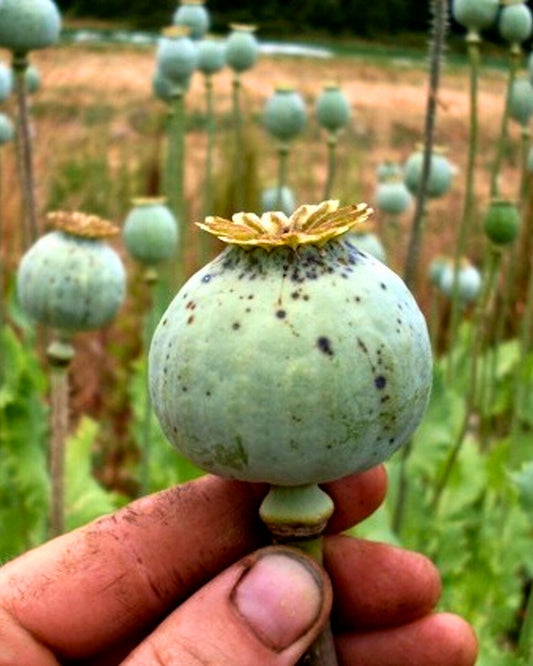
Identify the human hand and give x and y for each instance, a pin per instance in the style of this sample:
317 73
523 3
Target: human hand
182 577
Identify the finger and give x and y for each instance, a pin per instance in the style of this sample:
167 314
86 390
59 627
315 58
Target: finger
267 609
356 497
88 590
435 640
377 585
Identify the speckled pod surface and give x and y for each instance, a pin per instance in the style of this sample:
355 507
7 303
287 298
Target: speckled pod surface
26 25
71 283
291 366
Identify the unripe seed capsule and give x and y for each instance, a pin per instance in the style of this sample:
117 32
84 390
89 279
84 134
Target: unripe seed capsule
194 15
475 15
515 24
26 25
211 55
269 200
332 108
242 49
502 222
150 231
70 279
393 197
440 174
284 114
176 56
521 100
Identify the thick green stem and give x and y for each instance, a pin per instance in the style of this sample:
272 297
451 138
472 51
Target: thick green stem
469 201
525 639
238 144
521 384
478 334
24 144
332 164
60 354
175 175
297 516
283 156
205 239
440 12
3 256
151 279
501 145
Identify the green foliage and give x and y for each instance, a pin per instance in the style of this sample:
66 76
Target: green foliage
166 465
24 483
85 498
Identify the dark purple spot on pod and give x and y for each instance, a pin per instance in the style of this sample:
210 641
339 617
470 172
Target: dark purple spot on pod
281 314
206 278
380 382
324 344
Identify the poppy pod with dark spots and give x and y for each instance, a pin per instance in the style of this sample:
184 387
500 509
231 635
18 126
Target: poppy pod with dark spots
71 279
291 358
194 15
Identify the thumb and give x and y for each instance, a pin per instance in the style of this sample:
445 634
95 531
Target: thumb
267 609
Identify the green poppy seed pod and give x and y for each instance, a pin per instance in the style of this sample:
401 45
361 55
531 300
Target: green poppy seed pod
70 279
194 15
388 170
269 200
502 222
284 114
150 231
515 24
291 358
176 56
370 244
521 100
393 197
436 268
211 55
32 78
166 90
440 174
332 108
7 129
26 25
6 82
242 48
468 282
475 15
